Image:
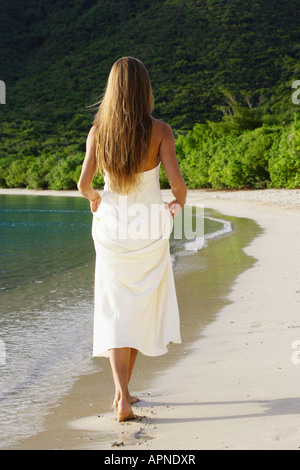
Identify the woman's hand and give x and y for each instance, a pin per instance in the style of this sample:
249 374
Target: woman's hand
174 207
95 202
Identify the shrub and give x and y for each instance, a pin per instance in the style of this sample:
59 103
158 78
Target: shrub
64 174
284 158
17 174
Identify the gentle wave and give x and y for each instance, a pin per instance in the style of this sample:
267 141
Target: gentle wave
199 242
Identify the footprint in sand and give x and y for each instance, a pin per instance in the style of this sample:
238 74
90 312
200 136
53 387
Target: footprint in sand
116 434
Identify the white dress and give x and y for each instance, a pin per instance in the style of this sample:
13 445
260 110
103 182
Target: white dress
135 303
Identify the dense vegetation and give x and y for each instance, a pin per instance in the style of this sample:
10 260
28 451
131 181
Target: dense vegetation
221 70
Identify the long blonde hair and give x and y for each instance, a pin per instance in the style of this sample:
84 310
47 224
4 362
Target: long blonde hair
123 124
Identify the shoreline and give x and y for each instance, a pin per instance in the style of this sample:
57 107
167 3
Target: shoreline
240 386
91 395
288 197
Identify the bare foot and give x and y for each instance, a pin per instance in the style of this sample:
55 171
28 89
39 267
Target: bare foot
125 412
133 399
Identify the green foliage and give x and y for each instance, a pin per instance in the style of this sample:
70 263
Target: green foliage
284 163
241 162
268 156
221 74
63 174
194 152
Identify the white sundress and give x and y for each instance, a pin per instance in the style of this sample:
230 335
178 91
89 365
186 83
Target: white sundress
135 302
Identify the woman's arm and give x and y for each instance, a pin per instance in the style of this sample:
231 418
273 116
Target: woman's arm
89 165
167 155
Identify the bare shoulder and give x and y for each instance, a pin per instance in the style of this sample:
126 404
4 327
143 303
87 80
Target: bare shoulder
168 158
162 129
92 132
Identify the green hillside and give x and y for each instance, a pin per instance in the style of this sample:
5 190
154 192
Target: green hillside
225 65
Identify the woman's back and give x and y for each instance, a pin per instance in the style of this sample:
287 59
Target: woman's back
152 158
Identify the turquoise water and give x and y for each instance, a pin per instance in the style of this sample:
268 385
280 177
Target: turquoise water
46 318
42 236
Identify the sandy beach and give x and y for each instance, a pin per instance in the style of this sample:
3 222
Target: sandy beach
238 385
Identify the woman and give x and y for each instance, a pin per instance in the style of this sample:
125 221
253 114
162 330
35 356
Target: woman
135 299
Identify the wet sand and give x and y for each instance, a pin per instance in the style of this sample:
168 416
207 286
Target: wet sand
232 384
